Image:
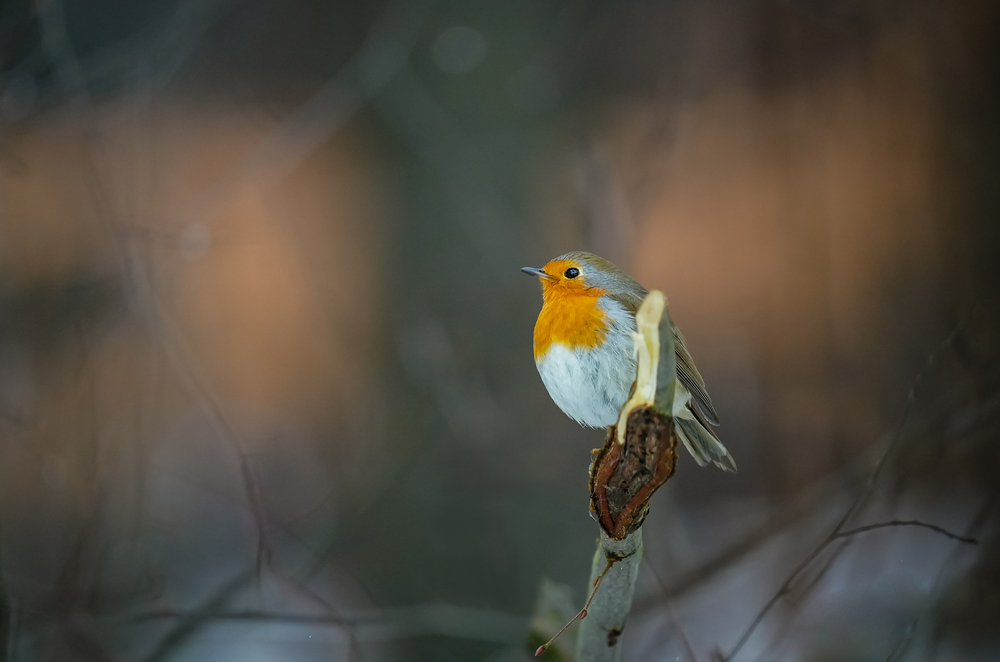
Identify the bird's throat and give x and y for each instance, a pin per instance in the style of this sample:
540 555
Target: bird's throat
570 318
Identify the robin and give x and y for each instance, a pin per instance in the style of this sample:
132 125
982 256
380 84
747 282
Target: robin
585 353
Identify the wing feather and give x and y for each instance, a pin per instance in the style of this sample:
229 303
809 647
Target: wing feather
687 373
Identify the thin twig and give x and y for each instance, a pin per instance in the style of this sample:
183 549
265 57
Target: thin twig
675 625
63 57
803 593
897 434
401 622
250 615
804 504
582 614
909 522
859 503
190 621
301 587
899 650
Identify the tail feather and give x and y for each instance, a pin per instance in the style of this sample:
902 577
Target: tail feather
702 443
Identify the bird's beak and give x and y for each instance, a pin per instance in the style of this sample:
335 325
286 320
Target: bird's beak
537 273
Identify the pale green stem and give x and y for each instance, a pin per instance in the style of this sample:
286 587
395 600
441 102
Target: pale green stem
599 639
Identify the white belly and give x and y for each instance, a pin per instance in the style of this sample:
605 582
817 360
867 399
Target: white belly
590 386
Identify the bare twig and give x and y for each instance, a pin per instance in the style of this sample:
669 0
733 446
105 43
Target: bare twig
375 64
802 593
910 522
899 650
251 615
378 62
859 503
190 621
59 50
675 625
897 434
417 620
802 505
580 615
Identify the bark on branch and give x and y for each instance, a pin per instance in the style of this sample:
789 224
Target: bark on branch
638 456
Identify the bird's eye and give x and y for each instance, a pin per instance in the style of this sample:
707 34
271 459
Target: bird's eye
572 272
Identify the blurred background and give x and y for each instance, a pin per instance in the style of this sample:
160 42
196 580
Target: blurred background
266 382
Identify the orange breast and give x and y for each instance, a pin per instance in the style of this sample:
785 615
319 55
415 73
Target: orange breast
570 318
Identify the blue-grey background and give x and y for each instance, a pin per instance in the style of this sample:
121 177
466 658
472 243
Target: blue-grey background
266 385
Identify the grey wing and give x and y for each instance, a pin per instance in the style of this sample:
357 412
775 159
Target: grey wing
688 374
701 441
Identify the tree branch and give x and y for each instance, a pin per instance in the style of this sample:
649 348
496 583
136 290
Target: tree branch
618 562
638 457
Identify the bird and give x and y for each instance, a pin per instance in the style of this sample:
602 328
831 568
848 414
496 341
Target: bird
585 352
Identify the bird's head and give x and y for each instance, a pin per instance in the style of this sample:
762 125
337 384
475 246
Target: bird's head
583 273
